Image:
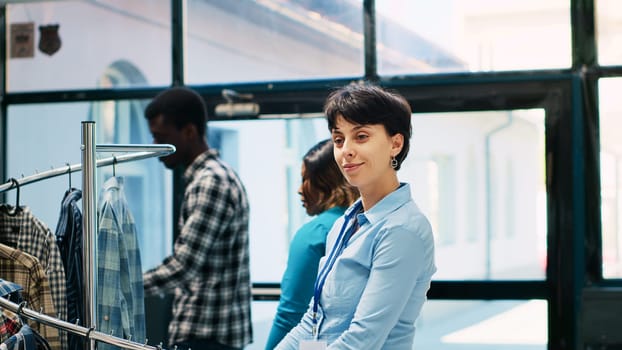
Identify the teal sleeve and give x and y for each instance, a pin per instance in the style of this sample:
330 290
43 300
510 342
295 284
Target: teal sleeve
305 251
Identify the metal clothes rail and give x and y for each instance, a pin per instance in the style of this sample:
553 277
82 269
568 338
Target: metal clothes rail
88 333
89 214
138 152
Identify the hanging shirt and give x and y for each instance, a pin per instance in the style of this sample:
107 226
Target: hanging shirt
120 291
25 270
24 340
8 320
27 233
374 292
69 241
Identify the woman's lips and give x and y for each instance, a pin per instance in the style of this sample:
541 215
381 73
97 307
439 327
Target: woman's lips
350 167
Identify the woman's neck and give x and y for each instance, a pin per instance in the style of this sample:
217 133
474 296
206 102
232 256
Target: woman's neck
374 193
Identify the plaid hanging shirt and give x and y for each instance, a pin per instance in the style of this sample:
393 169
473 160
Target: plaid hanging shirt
25 270
8 320
209 268
120 293
27 233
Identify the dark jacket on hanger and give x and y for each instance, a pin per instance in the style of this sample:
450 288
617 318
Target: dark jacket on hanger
69 240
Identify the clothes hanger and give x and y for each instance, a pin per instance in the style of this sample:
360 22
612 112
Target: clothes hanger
17 208
114 166
69 173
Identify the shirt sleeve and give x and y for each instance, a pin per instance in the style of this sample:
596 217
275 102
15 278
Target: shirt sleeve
206 210
398 266
110 303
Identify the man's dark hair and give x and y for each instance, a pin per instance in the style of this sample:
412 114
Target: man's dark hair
179 106
370 104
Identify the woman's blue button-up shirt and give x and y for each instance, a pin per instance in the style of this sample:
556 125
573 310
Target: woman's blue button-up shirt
374 292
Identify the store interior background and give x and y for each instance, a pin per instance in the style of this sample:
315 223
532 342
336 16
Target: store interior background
516 156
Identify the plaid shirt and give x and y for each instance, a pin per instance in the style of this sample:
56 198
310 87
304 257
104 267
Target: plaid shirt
8 320
8 325
209 268
120 293
25 270
27 233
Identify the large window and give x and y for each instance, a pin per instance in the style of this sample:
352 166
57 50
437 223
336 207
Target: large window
248 41
88 37
608 16
419 37
611 176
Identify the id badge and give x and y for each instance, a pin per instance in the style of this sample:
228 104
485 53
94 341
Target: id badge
312 345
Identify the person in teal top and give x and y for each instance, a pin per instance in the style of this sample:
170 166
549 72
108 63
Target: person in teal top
325 194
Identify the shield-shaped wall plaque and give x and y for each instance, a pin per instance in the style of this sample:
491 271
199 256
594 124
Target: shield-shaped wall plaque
49 40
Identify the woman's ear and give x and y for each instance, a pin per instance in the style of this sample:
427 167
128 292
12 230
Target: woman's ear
397 142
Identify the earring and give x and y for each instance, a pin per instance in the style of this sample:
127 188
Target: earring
394 162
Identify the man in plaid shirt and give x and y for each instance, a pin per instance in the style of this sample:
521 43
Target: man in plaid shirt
209 267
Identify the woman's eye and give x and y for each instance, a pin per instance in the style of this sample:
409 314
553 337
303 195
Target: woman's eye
337 140
361 137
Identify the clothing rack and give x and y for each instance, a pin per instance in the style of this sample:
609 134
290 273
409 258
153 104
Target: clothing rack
88 333
149 151
89 225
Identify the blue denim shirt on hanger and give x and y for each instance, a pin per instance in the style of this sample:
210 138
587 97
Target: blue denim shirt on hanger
120 290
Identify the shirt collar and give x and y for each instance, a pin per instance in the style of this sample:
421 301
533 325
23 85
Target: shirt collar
113 182
197 163
386 205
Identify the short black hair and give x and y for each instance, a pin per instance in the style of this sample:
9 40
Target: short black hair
366 103
179 106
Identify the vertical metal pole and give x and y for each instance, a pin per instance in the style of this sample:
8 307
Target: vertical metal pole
89 247
3 105
369 28
178 37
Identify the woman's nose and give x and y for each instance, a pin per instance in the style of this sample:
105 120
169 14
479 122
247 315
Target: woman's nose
347 149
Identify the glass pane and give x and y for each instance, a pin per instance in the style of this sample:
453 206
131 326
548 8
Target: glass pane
479 177
455 325
498 325
417 37
60 45
31 150
609 31
244 41
276 211
611 175
262 313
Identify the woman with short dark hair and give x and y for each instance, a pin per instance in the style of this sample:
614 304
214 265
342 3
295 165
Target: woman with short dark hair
379 260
